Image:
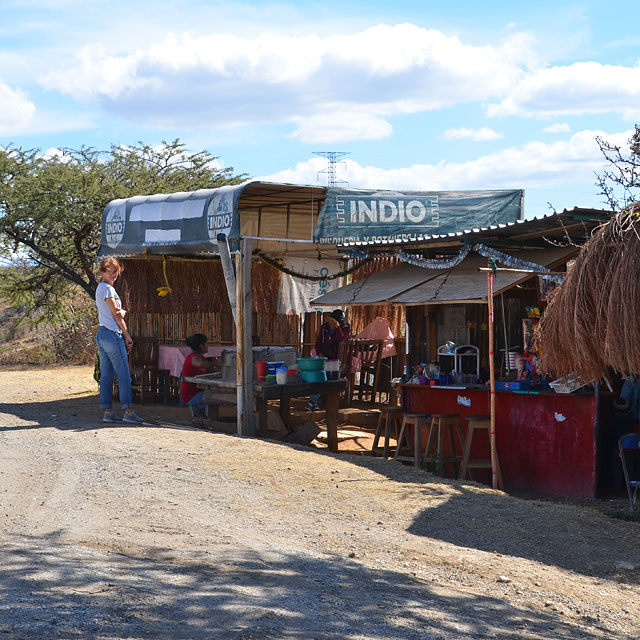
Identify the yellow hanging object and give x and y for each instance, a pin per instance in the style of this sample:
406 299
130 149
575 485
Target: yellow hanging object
164 291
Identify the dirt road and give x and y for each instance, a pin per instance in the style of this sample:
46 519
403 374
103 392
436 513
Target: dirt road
175 532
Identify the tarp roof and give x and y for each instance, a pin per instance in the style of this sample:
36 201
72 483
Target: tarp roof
187 223
409 285
287 218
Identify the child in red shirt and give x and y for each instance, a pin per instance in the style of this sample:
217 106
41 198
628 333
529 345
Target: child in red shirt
195 365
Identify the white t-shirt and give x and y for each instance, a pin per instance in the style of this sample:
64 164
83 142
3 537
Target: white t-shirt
105 315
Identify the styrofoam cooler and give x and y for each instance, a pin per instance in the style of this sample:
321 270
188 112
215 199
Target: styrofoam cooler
287 355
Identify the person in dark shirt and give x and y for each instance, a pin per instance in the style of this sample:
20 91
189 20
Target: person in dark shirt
331 334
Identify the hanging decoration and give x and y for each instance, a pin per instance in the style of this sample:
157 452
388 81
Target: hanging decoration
277 263
417 261
164 291
483 250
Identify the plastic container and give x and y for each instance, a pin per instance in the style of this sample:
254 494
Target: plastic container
314 376
281 375
261 370
270 378
332 367
272 367
311 364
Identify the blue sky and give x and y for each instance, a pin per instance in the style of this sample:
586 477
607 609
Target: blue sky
421 95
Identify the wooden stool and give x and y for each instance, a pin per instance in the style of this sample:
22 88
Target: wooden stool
441 422
410 449
390 417
477 422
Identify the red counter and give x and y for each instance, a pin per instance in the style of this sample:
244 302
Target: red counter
546 441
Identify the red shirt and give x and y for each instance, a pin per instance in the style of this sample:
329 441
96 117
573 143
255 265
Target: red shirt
188 389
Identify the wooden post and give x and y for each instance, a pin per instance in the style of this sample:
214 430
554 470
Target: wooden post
227 270
244 348
492 379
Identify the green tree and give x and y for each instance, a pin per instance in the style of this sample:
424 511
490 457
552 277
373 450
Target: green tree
51 208
620 181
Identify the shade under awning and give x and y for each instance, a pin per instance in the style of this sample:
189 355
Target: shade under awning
411 285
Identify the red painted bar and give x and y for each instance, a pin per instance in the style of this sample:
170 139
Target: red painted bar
546 441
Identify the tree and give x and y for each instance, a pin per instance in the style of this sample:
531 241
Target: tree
620 182
51 208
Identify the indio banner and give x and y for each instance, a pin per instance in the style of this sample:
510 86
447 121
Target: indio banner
367 216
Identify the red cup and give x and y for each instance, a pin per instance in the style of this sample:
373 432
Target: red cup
261 370
433 383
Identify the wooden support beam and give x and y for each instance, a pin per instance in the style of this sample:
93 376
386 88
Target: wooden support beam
227 269
244 348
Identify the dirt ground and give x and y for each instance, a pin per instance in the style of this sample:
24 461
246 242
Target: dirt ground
169 531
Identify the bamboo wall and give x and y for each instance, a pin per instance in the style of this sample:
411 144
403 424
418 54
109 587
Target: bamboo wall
198 303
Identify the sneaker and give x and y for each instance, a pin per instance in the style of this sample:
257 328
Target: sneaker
132 416
312 406
109 416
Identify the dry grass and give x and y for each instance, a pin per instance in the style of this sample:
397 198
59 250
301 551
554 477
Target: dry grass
592 321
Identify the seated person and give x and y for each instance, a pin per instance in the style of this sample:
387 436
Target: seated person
331 334
194 365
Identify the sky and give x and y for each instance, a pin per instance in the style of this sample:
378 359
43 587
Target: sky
412 95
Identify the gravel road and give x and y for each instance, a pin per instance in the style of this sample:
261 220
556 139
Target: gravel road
166 531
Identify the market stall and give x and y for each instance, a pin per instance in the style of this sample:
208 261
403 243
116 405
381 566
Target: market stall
546 441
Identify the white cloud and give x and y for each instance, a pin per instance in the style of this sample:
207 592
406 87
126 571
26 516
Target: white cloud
477 135
534 164
341 126
559 127
380 72
580 88
17 110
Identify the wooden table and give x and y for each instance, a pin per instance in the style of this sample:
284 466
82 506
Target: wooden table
329 390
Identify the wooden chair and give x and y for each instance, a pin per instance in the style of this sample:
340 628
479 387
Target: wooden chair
409 447
435 455
627 445
390 419
477 423
146 379
363 384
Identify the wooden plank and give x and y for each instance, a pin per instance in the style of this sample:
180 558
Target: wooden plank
244 348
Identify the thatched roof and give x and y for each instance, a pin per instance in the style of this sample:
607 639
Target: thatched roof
593 320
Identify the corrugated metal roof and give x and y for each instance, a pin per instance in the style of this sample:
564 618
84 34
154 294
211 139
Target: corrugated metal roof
411 285
571 225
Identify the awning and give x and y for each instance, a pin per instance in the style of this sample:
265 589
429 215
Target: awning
410 285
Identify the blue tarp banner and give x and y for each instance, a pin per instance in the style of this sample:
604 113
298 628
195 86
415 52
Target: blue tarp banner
178 223
369 216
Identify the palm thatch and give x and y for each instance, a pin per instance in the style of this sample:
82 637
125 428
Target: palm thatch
593 319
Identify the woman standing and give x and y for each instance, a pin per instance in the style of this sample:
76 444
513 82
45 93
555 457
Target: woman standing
195 365
113 341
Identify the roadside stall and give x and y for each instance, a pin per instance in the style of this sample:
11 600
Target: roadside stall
549 437
278 224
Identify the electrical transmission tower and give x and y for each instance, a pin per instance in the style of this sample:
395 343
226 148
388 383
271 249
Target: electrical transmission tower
332 160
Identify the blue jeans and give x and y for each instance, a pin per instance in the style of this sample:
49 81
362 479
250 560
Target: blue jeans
196 401
113 362
314 397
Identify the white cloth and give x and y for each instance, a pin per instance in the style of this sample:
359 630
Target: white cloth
296 293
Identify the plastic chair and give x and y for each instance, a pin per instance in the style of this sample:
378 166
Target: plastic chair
630 442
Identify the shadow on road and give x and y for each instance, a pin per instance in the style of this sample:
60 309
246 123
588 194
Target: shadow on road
52 590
